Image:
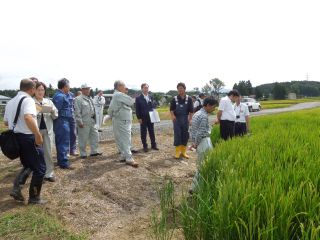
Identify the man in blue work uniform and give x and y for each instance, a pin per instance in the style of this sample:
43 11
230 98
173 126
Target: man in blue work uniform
181 110
73 133
61 125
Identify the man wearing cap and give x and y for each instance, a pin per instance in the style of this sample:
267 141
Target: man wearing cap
121 113
86 122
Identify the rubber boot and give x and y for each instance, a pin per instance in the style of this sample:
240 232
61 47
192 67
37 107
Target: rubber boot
19 181
184 151
24 176
16 190
178 152
35 190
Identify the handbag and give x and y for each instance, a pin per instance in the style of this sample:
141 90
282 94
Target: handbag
8 141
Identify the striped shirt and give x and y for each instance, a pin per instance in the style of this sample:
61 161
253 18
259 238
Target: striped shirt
200 127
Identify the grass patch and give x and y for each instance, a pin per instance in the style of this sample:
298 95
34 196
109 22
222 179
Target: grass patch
34 223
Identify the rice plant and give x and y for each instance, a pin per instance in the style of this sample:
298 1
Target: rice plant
263 186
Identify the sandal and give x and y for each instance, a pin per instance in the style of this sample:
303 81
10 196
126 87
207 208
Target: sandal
132 164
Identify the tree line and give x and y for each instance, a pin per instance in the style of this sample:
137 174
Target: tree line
215 86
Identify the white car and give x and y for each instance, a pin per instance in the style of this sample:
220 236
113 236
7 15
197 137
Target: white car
252 104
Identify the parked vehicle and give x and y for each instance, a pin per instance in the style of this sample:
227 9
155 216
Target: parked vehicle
252 104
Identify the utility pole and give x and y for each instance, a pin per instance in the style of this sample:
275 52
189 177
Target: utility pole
307 76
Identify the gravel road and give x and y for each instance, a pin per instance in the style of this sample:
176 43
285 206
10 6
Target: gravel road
165 124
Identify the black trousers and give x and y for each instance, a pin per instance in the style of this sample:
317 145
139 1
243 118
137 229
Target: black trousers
240 129
31 156
227 129
147 126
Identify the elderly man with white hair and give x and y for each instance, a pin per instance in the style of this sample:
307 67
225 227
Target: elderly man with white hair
121 113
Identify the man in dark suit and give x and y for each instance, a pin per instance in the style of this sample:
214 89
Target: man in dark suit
144 104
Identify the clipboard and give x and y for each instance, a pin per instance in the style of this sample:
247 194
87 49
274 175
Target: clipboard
154 116
46 109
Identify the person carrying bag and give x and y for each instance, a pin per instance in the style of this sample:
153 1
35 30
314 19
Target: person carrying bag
8 141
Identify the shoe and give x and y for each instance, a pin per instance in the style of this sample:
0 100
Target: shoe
145 149
155 148
134 151
50 179
83 157
100 130
35 190
74 154
95 154
184 152
178 152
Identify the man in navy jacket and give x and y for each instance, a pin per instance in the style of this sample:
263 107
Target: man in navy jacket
144 104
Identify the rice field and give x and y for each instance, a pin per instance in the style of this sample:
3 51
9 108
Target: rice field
285 103
262 186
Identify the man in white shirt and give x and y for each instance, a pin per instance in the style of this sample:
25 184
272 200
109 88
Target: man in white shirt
226 115
197 105
242 118
99 102
29 139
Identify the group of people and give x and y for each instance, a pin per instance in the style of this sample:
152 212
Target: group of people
233 117
67 120
42 121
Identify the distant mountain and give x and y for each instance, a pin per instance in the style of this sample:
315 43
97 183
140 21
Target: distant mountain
301 88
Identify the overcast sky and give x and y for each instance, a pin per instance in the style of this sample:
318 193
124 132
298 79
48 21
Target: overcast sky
159 42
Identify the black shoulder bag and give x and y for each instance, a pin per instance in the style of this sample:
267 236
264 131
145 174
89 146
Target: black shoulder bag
8 142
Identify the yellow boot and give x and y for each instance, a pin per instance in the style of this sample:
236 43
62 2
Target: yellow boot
184 151
178 152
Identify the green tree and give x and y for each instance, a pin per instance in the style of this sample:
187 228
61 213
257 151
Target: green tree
258 93
50 91
279 91
172 93
249 87
207 89
217 86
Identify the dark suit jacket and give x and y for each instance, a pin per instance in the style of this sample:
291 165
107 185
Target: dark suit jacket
143 107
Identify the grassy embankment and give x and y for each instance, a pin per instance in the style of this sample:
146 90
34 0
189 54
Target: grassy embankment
262 186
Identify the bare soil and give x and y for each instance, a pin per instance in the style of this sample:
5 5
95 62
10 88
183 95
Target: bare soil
106 198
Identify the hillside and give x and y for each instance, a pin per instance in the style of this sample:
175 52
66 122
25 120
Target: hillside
301 88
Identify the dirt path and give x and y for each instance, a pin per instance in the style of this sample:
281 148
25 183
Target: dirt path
106 197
